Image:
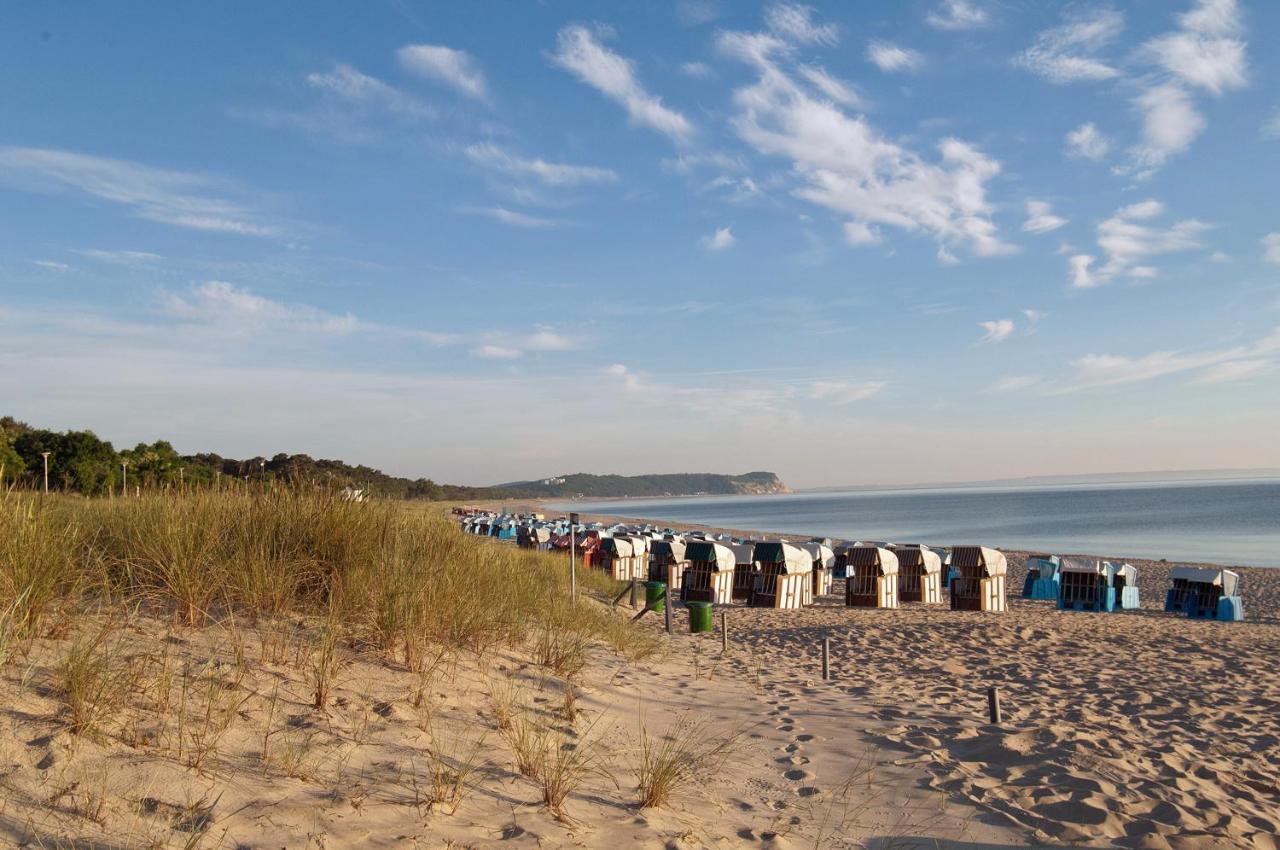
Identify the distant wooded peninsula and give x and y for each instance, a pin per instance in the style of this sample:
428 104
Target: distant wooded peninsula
81 462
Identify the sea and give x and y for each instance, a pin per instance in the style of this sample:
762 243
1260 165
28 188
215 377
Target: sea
1229 522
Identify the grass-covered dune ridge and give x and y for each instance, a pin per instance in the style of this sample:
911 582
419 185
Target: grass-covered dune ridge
383 574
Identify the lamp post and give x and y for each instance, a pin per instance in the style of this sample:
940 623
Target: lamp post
124 479
573 557
45 455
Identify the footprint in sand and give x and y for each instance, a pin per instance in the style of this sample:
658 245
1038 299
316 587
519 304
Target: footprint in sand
804 739
797 775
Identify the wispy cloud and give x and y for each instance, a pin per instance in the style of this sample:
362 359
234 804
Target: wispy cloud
996 330
720 240
354 86
844 392
1040 218
1066 54
1206 53
1127 241
51 265
515 218
1013 384
890 57
697 70
580 51
1086 142
958 15
239 310
795 23
847 166
1271 248
493 157
178 198
119 257
455 68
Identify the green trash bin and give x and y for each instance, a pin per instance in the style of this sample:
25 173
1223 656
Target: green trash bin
655 595
699 616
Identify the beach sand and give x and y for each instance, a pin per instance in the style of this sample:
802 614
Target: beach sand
1135 729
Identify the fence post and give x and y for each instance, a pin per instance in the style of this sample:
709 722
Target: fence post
634 585
724 631
993 705
666 607
826 659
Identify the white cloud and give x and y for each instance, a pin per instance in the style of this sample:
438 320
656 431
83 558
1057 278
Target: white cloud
453 67
1203 53
844 392
1271 248
551 173
354 86
860 233
1126 241
496 352
958 15
694 13
1040 219
1087 142
1170 124
1209 366
1013 384
118 257
549 340
581 53
697 70
1065 54
847 166
1271 129
996 330
1232 370
890 57
516 218
836 89
51 265
239 310
1034 318
794 22
630 380
178 198
720 240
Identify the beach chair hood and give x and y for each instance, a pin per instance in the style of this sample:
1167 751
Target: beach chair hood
820 554
618 547
674 549
1229 580
1083 565
744 552
991 561
722 556
927 559
792 558
884 561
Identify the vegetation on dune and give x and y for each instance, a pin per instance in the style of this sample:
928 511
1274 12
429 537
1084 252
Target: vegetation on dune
384 576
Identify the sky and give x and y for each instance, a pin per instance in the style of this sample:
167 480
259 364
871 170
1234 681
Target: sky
480 242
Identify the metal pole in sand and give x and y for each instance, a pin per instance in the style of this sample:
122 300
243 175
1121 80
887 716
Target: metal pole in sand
993 705
573 557
666 608
826 659
724 632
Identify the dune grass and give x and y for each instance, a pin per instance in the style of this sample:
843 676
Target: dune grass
397 579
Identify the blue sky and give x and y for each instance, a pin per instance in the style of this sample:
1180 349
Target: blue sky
934 240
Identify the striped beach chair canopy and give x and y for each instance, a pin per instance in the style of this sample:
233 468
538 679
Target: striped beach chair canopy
989 562
674 549
707 551
1083 565
792 559
883 560
618 547
926 559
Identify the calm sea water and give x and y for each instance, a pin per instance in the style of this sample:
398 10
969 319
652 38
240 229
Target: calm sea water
1223 522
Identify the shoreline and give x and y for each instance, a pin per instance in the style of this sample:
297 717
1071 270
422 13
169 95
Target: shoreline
1260 585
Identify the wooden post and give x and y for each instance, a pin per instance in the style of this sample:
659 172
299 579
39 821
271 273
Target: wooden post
666 607
634 589
826 659
993 705
724 632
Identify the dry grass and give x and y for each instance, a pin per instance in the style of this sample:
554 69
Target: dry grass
670 763
94 682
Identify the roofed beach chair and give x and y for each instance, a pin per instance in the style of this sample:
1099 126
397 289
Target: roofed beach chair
784 577
977 580
919 574
1205 593
1091 585
744 570
708 574
667 561
1042 577
824 562
871 579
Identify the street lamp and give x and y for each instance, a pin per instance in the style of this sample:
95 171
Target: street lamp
45 455
124 480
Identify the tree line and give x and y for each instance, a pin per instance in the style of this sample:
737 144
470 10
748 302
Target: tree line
81 462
